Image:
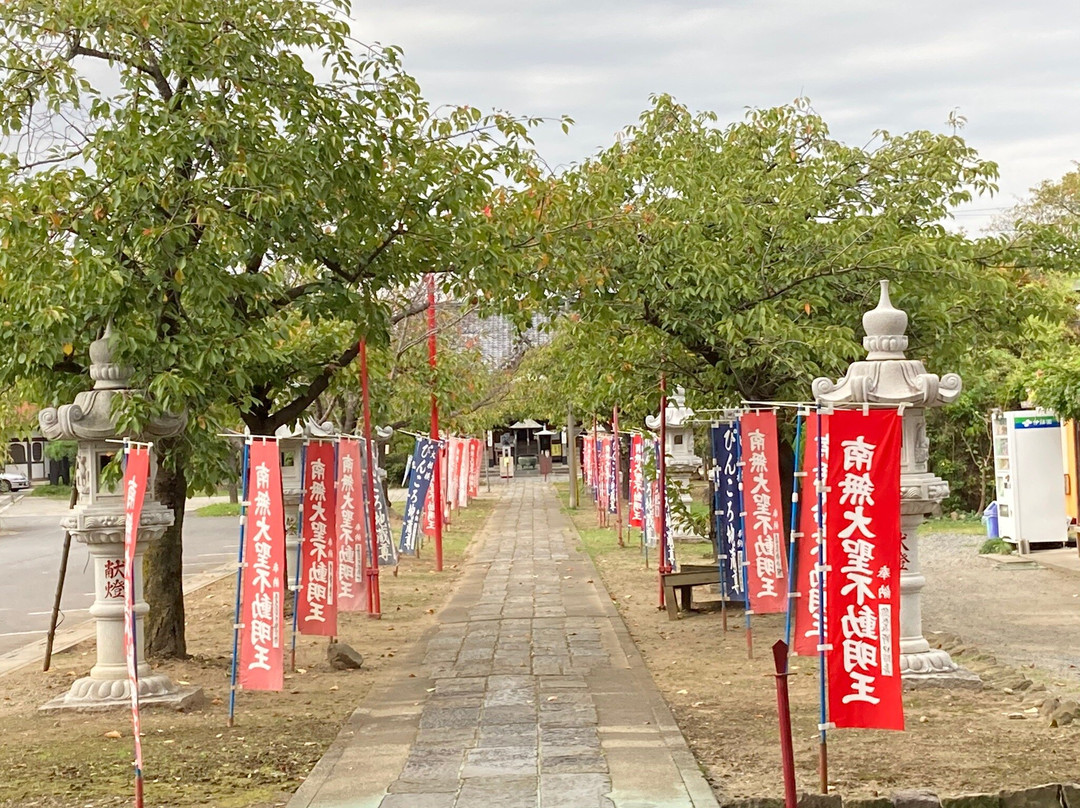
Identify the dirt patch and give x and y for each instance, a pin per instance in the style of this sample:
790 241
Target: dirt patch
956 741
64 761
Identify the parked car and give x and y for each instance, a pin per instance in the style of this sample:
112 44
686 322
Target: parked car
13 481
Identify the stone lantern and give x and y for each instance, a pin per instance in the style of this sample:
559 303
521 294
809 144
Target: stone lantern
682 463
887 377
98 522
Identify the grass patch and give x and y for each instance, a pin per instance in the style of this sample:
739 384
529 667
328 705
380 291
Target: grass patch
219 509
968 525
51 491
995 547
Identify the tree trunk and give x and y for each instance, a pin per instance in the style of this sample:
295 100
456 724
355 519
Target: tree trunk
164 624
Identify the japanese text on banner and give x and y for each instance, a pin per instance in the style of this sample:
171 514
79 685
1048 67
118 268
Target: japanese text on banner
635 479
263 593
767 570
421 493
730 554
351 582
863 552
810 583
317 605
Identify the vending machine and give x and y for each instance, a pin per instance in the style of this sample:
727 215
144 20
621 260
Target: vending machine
1029 477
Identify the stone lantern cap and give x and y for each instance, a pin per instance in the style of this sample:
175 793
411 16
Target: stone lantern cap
90 417
677 414
886 376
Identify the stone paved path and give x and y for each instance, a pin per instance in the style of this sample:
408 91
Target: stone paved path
529 693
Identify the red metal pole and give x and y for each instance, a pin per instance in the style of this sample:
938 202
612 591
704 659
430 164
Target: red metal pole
661 473
783 708
374 599
618 492
437 478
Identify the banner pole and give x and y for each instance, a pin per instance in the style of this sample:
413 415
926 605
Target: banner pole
299 557
239 583
662 563
793 534
437 479
375 600
823 748
783 709
742 526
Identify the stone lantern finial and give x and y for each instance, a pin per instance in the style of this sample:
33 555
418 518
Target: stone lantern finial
106 374
886 329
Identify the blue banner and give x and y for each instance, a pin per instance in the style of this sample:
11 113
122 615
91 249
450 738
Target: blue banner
425 455
729 536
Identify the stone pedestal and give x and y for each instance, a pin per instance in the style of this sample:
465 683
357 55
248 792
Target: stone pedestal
888 377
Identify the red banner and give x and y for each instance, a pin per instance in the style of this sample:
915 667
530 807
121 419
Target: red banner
352 564
588 459
136 473
863 530
263 593
767 571
603 478
810 581
317 610
464 472
636 473
453 462
428 523
475 453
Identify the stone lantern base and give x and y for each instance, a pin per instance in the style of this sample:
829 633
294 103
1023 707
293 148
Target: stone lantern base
89 695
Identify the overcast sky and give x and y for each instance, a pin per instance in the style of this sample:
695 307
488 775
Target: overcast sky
1012 69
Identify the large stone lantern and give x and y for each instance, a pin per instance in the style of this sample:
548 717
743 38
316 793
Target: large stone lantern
682 463
98 522
886 376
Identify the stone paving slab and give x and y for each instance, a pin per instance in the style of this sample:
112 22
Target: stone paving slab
528 693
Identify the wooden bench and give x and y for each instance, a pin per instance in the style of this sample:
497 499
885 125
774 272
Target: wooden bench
683 582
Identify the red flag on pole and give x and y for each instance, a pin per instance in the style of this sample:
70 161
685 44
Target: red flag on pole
767 571
352 561
636 444
810 583
317 608
475 447
863 529
136 473
262 665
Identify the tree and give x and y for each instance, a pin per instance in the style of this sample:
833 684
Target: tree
740 259
239 188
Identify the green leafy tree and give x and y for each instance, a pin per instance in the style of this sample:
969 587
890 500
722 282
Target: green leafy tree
745 255
240 189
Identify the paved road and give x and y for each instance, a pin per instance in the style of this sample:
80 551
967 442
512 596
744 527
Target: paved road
31 543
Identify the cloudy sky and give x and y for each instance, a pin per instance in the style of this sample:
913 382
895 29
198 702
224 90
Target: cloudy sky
1011 69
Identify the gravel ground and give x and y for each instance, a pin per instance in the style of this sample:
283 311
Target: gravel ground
1022 615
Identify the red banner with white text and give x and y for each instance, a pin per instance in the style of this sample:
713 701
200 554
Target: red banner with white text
317 609
810 579
475 449
464 472
261 659
767 570
863 529
351 558
636 477
136 473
